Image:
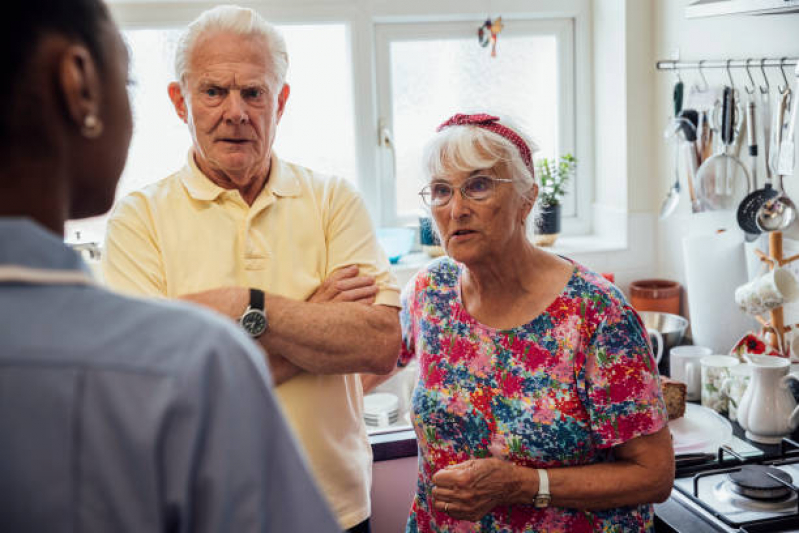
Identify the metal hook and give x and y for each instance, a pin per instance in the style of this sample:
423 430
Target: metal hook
765 78
702 75
751 80
729 74
784 77
677 73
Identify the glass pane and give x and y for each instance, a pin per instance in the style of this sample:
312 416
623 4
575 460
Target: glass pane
317 129
434 79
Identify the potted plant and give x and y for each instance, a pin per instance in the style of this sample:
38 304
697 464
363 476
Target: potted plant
554 176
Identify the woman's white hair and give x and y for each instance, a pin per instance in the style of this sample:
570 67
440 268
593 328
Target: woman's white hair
466 148
239 21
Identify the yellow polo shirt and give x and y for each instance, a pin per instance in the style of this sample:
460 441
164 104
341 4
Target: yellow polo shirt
185 234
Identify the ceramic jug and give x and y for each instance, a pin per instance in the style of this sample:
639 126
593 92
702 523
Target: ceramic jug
768 411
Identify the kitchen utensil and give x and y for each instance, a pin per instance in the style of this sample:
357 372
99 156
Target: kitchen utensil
780 212
776 214
673 196
678 97
786 160
778 128
683 131
705 141
699 430
768 410
671 327
723 181
750 206
690 154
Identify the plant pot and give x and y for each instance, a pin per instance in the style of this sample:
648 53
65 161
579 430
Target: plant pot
547 225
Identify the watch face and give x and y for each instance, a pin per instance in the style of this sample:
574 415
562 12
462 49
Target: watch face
254 322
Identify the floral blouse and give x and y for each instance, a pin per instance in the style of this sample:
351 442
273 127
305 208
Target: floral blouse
560 390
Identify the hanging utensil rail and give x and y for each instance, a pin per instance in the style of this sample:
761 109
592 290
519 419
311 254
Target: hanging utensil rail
668 64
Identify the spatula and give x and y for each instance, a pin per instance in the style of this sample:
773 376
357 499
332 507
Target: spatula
787 156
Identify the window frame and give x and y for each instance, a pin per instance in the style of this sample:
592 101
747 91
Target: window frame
386 34
363 19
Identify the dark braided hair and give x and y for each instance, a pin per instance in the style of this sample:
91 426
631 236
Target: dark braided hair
23 23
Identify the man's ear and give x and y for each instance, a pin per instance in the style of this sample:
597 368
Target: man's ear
179 101
79 83
281 100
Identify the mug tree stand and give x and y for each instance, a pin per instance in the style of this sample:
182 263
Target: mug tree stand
775 328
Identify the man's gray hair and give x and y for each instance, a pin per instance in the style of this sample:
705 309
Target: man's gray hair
239 21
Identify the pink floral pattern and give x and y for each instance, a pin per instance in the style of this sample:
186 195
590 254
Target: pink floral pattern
560 390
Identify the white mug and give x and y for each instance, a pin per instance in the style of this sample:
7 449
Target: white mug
715 370
767 292
684 367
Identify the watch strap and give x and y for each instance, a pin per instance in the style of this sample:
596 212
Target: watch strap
543 497
257 299
543 482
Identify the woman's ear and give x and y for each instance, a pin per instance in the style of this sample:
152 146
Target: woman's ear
80 86
528 202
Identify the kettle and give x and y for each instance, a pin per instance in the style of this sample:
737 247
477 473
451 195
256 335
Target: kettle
768 411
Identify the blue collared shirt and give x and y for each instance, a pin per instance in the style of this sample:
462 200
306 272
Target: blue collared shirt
119 414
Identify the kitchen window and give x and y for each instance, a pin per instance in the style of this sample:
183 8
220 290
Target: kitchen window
428 72
404 67
317 129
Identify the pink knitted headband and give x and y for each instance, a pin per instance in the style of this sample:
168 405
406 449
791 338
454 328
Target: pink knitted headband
491 123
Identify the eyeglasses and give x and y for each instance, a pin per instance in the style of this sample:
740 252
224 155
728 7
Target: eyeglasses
479 187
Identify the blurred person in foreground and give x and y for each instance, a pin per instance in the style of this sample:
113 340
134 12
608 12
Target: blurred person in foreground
538 406
288 252
116 414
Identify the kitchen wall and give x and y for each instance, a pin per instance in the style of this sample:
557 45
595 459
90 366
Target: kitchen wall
724 37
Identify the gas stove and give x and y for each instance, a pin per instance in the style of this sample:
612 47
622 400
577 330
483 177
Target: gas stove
744 494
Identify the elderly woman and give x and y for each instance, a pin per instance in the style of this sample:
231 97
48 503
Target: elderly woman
538 407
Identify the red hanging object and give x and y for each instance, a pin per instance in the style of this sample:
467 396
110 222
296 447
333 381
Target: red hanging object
487 33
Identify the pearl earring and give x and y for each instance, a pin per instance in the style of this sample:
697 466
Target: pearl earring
92 126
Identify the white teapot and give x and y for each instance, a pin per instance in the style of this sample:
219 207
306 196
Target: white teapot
768 411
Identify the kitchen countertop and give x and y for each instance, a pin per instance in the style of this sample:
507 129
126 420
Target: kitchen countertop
670 516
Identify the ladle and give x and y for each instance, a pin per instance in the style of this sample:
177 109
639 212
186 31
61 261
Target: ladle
776 214
682 129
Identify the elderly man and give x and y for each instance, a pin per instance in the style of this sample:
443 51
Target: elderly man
289 253
116 414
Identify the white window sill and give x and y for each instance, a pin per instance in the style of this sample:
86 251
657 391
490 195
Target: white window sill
571 246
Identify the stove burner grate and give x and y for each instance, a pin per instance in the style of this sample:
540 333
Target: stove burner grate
754 481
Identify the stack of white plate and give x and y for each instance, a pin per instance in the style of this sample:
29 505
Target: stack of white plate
380 409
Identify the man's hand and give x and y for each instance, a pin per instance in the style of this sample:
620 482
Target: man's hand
469 490
345 285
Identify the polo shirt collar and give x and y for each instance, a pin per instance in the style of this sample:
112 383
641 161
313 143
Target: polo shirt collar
200 187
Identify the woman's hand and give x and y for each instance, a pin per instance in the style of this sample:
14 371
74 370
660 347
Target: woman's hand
469 490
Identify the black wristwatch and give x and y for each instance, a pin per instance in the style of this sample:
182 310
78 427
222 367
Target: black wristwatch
254 319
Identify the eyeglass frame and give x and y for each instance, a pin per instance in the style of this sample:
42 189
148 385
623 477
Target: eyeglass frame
461 188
